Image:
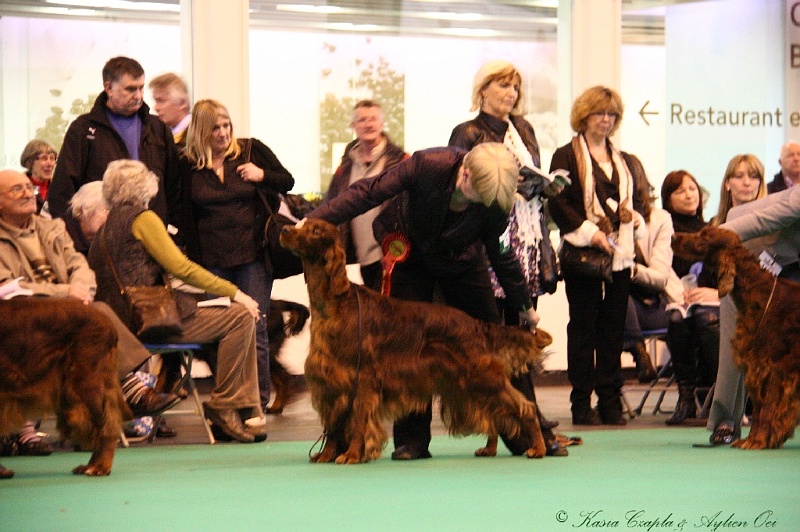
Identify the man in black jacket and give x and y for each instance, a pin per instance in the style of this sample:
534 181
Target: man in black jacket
119 126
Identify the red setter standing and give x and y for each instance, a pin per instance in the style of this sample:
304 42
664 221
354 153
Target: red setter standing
59 355
374 359
767 339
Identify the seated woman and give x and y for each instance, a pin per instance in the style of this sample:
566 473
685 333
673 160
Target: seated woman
39 159
136 242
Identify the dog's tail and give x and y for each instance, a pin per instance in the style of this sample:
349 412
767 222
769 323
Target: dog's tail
298 315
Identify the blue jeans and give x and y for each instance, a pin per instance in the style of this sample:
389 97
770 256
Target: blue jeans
253 280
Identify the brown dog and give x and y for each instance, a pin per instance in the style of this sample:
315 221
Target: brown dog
278 330
374 359
59 355
767 340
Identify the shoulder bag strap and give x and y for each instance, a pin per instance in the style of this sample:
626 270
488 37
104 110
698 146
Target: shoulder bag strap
111 264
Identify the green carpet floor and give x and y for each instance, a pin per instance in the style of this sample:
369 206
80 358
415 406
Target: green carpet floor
619 479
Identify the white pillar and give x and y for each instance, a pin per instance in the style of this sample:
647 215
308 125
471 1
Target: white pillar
589 42
215 55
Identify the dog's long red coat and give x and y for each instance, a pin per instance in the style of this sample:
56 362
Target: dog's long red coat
59 355
767 344
374 359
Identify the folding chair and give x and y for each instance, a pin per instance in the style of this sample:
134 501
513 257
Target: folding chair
651 338
186 354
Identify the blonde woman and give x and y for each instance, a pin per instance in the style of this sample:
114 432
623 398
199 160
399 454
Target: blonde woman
224 179
743 182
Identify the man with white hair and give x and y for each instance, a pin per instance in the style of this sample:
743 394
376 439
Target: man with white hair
40 252
790 168
172 105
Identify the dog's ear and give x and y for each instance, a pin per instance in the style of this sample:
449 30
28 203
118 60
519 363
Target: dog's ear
335 268
727 273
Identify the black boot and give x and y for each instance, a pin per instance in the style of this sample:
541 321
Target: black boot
685 408
644 365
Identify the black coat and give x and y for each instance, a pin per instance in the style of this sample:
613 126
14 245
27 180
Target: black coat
429 177
91 142
224 221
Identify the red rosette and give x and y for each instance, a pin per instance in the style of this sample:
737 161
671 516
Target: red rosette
396 248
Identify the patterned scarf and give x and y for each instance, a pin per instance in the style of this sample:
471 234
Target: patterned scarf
625 256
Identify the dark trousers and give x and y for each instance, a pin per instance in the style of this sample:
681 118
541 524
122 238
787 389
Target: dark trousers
597 312
470 291
693 344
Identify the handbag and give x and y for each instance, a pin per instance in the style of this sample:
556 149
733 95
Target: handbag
284 262
549 267
586 261
153 309
279 260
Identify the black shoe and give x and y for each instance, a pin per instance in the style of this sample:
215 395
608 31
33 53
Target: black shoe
685 407
151 403
228 421
556 449
612 417
165 431
724 434
588 417
407 452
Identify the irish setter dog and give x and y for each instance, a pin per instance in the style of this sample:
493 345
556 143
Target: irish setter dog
278 330
374 359
767 339
59 355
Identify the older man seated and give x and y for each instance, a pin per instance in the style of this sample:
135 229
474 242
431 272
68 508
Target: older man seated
41 253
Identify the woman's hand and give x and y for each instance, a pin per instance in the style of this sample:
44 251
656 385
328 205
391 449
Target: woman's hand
250 172
249 303
600 240
700 295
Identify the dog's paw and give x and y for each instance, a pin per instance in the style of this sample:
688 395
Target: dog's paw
534 452
347 458
486 451
91 471
749 443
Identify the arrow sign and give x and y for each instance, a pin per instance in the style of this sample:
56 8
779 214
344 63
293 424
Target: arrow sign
642 112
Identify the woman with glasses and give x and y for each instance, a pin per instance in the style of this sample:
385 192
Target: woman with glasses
596 211
39 160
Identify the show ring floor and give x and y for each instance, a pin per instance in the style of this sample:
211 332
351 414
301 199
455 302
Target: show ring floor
646 476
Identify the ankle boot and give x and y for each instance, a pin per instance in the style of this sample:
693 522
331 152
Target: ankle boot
643 363
685 408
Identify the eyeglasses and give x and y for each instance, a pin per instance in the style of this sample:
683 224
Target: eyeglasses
603 114
46 157
18 191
